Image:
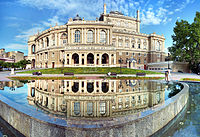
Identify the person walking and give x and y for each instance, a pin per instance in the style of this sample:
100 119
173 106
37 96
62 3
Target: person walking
167 75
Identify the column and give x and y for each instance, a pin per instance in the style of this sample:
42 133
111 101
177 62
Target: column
110 37
69 36
95 35
95 59
110 59
108 42
95 86
114 59
100 56
80 59
72 36
82 38
70 59
43 44
85 86
79 84
85 59
59 42
84 35
56 39
110 86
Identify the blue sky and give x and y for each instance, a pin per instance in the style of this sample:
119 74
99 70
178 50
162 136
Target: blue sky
22 18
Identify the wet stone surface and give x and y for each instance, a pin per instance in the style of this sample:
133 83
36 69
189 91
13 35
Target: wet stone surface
189 125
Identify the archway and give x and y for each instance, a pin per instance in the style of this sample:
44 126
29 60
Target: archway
90 58
75 57
105 59
75 87
32 92
33 49
105 87
33 63
90 87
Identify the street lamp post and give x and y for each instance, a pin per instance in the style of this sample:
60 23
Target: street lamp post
120 61
168 60
63 62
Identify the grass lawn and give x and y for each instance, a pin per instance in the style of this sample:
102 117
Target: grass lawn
43 78
190 79
137 78
88 70
65 78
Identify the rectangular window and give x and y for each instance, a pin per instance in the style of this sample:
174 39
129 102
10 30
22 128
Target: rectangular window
138 46
53 42
133 46
89 108
120 44
90 36
102 108
64 41
127 45
76 108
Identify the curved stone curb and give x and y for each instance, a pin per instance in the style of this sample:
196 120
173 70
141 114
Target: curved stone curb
32 123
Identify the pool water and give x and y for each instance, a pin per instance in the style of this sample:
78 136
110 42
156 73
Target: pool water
189 124
65 98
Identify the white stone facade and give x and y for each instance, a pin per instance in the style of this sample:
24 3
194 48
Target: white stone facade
99 43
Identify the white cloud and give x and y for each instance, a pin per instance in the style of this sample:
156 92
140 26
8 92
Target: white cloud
150 18
24 35
52 21
14 46
150 14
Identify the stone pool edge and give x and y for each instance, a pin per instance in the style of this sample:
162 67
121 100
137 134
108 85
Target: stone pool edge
144 125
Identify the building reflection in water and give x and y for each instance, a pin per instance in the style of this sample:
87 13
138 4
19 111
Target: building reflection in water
11 84
95 98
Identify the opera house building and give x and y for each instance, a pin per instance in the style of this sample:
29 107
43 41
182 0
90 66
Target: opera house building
111 40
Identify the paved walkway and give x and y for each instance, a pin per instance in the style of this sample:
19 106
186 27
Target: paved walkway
173 76
4 75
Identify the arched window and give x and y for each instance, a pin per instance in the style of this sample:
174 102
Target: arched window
33 49
90 36
90 87
64 38
139 61
102 37
47 41
42 43
77 36
53 40
105 59
158 45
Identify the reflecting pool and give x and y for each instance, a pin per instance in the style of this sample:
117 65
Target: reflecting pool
89 99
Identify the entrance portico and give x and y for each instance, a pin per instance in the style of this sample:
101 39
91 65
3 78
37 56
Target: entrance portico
84 59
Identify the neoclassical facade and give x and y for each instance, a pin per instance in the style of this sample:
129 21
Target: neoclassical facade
111 40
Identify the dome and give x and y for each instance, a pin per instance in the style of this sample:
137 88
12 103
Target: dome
77 18
116 12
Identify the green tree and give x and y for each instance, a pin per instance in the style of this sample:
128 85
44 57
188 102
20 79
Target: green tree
186 40
23 63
